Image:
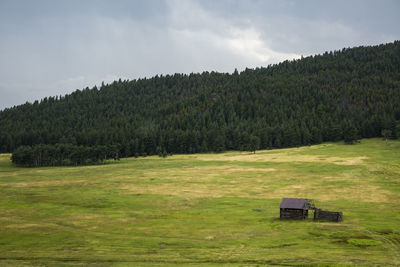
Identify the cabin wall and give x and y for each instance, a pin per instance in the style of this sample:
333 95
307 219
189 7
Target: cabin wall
293 214
323 215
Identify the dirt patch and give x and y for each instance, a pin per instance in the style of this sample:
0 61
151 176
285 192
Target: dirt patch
188 191
84 217
8 174
201 181
257 188
28 225
42 183
285 157
197 174
348 161
364 193
225 168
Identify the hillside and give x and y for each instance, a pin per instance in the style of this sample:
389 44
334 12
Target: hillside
349 93
206 209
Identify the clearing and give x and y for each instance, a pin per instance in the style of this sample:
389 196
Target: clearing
205 209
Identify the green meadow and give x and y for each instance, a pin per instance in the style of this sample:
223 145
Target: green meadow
206 209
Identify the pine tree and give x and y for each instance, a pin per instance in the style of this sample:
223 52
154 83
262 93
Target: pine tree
350 135
254 143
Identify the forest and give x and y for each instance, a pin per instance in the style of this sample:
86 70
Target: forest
346 95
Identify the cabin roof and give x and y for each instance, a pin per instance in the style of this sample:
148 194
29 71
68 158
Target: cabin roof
294 203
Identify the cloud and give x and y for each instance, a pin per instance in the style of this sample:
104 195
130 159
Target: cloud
240 38
308 36
248 43
51 49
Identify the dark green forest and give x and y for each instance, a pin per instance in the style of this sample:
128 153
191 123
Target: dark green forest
341 95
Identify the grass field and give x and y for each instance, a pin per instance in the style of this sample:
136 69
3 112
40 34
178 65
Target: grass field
205 209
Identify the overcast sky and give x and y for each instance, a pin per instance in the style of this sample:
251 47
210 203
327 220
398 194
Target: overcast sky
50 47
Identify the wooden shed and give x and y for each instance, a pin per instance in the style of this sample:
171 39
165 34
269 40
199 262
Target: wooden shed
324 215
295 208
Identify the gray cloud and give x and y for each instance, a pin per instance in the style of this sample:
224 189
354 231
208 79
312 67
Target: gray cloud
53 47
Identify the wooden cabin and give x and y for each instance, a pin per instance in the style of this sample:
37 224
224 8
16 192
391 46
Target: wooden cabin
295 208
324 215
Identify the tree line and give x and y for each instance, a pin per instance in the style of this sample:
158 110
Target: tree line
63 155
341 95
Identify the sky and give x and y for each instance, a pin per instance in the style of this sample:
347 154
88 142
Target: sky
53 47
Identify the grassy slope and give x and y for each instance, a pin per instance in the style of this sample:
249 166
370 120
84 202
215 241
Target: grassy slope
204 209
